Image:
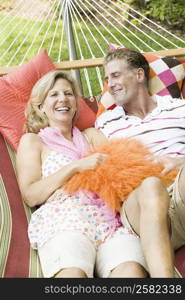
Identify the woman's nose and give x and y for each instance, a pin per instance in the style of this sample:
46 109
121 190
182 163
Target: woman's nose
61 97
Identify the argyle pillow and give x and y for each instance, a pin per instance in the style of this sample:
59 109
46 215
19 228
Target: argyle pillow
166 78
166 75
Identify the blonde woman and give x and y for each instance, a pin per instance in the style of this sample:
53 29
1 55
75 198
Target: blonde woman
75 235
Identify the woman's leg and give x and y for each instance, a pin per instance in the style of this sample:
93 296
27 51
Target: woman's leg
71 273
129 269
68 254
147 211
121 255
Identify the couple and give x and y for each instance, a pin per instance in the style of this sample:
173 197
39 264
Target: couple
77 235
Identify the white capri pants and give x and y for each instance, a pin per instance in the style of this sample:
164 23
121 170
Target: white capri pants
74 249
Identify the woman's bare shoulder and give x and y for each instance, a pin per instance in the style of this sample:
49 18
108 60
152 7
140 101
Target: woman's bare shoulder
29 140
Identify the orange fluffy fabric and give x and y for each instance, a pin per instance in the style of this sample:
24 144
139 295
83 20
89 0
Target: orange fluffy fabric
119 174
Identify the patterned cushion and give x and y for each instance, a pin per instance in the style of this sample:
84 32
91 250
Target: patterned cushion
166 75
166 78
16 257
183 83
183 89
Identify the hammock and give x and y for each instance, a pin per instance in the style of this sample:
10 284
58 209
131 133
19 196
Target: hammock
77 30
76 35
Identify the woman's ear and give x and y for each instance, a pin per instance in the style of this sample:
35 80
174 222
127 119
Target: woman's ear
41 108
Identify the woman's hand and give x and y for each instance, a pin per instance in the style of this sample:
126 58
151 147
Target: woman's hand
168 162
91 161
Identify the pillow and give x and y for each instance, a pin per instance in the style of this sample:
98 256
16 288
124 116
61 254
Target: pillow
166 75
166 78
15 89
183 83
183 89
88 111
113 180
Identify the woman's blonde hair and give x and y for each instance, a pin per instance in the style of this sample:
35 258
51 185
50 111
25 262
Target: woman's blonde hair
35 118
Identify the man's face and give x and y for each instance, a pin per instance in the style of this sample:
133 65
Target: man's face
122 82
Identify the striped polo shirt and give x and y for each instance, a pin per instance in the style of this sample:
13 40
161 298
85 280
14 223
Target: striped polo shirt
162 130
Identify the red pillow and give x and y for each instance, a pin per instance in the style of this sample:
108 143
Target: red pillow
88 111
15 89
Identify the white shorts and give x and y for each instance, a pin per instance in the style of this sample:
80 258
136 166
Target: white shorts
177 215
74 249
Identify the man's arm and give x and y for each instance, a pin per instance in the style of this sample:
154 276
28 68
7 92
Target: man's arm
168 162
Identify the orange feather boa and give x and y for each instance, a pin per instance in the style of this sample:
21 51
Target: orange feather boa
119 174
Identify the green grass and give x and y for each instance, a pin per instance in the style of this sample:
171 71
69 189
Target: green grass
33 27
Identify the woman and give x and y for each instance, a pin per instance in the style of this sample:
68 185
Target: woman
75 235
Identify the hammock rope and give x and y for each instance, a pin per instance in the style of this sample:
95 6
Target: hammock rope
15 27
153 23
18 6
78 29
81 55
52 22
39 30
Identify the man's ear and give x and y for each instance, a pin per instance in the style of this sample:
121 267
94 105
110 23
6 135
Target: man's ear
140 75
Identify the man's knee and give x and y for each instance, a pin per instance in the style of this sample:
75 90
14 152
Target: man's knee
151 181
153 194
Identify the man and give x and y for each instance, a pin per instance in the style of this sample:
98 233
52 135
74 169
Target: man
156 214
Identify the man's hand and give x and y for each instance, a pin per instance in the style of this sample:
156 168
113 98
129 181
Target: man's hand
168 162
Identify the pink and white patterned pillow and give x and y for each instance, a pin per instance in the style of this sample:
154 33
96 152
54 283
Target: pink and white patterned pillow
166 78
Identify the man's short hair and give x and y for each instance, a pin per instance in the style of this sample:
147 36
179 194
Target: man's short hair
133 58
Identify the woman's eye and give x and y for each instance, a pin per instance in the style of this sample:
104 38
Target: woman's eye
68 94
53 95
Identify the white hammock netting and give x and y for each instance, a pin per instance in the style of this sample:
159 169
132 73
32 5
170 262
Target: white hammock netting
77 29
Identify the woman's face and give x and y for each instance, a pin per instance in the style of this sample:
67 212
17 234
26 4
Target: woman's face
60 104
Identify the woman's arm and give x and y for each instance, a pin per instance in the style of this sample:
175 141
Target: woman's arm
96 137
36 190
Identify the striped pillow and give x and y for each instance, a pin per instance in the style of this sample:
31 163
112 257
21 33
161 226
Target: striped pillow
17 259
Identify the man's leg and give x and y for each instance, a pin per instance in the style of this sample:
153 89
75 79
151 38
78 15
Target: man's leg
177 210
147 211
182 185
